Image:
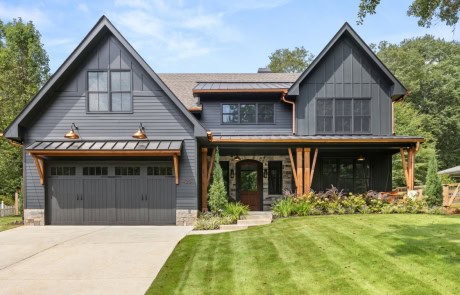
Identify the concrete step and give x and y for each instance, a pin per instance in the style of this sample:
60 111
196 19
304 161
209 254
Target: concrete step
254 222
265 213
233 227
254 217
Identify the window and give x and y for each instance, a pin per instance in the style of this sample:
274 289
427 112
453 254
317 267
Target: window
230 113
346 174
343 116
62 171
127 171
109 97
324 115
275 177
248 113
361 116
159 171
263 113
266 113
95 171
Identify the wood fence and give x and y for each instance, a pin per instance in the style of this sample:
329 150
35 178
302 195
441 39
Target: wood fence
7 210
450 193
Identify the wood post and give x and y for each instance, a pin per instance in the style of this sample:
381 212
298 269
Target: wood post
445 195
299 171
294 171
16 202
176 167
204 179
313 165
411 168
307 176
39 163
404 166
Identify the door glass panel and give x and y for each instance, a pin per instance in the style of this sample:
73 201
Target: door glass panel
249 179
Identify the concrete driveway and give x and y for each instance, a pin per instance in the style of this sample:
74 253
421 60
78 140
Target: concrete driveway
84 259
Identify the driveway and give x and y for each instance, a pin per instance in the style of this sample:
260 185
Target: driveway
84 259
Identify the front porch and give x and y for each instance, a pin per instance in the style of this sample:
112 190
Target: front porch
260 173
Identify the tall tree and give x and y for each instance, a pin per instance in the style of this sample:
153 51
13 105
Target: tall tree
290 61
433 188
427 11
23 70
430 69
217 192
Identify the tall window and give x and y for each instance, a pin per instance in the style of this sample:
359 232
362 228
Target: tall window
275 177
343 116
346 174
109 95
248 113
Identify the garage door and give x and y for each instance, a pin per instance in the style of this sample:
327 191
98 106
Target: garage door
110 193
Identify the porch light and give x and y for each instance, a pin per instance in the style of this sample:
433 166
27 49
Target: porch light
232 173
73 133
140 133
361 158
237 158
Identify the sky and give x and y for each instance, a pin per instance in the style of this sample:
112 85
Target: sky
209 36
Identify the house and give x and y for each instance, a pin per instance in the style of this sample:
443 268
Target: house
453 172
108 141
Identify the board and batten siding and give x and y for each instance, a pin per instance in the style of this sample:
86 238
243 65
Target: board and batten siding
159 115
345 72
211 116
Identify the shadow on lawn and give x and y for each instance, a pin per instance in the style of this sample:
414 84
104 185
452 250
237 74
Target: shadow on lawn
438 241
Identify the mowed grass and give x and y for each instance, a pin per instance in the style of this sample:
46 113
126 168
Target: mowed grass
9 222
347 254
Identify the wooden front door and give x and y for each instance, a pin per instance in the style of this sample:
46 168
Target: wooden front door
249 183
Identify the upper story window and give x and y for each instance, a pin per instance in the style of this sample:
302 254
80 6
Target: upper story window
248 113
343 116
109 95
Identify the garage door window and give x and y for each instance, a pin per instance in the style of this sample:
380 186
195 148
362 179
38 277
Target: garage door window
160 171
62 171
95 171
127 171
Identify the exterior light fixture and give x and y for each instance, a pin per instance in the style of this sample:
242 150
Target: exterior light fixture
140 133
361 158
237 158
73 133
232 173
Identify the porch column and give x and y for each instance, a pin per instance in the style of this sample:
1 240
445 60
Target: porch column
411 168
307 177
204 179
299 171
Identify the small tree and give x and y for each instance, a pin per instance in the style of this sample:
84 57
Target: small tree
217 191
433 185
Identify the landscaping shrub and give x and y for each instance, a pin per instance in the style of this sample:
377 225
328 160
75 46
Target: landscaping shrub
334 201
234 211
7 200
217 192
433 185
207 223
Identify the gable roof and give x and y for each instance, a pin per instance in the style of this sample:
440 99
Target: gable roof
398 90
182 84
102 27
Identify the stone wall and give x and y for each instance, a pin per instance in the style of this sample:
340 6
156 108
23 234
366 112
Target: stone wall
34 216
268 199
186 217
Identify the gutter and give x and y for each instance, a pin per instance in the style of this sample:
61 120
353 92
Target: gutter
283 99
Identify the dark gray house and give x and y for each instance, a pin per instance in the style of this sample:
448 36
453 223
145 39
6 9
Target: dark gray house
109 141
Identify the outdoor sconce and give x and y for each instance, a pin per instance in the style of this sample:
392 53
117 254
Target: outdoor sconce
265 173
73 133
237 158
361 158
232 173
140 133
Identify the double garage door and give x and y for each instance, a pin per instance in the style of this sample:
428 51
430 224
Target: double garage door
110 193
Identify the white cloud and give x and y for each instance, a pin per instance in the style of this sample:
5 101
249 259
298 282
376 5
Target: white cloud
26 13
83 7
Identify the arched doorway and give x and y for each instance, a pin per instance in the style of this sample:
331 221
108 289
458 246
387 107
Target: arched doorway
249 183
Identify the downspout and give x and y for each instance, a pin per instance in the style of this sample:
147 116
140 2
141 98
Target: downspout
283 99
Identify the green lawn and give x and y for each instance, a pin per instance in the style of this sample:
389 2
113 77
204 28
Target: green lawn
8 222
346 254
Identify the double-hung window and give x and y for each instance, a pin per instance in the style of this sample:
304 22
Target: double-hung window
109 91
248 113
343 116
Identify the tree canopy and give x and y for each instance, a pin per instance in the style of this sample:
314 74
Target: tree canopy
23 70
427 11
290 61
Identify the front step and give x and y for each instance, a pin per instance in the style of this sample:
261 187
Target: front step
252 222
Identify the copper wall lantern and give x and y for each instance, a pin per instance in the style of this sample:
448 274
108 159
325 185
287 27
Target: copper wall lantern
73 133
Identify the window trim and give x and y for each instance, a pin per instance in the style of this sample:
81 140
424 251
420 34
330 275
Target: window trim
239 113
352 132
109 91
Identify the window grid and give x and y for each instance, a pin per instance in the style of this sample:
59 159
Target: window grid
63 171
160 171
248 113
95 171
127 171
115 95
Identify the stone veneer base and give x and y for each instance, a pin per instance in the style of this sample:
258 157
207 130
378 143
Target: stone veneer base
34 216
186 217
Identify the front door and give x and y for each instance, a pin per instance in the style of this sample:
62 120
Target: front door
249 183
